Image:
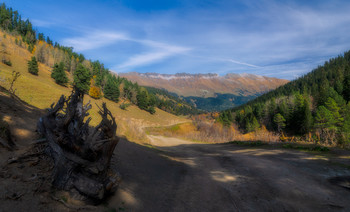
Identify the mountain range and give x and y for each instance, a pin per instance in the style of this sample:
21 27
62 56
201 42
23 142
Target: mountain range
209 92
207 85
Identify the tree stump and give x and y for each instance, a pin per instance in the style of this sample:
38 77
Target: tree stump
81 154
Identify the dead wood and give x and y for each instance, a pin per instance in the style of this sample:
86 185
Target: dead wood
81 154
5 136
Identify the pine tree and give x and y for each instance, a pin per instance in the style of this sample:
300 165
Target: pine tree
279 121
252 124
324 118
142 101
33 66
332 106
307 118
82 78
346 84
346 125
224 118
111 90
59 74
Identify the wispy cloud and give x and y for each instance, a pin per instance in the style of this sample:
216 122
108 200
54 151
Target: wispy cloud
155 51
242 63
42 23
151 57
94 40
159 51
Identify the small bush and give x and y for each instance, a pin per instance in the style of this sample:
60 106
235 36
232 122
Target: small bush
151 110
123 106
6 61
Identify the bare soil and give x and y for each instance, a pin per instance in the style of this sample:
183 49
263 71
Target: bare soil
177 175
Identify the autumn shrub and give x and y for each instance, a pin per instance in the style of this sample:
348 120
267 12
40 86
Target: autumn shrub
95 92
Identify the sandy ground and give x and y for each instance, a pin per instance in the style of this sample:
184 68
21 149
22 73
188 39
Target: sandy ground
177 175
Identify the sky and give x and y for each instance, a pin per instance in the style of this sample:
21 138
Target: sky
283 39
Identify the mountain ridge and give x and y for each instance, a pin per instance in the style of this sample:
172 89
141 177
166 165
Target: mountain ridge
206 85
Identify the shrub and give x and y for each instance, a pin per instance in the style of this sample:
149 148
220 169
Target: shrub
6 61
95 92
123 106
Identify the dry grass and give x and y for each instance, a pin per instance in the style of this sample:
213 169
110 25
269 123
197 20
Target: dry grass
41 91
208 131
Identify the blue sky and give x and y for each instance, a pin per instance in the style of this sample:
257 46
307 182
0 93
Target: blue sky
284 39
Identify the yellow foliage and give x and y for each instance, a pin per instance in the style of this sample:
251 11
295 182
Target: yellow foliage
263 128
215 115
95 92
34 49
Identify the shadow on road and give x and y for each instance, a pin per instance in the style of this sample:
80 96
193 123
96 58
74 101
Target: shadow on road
226 177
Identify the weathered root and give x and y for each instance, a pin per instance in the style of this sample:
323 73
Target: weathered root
81 155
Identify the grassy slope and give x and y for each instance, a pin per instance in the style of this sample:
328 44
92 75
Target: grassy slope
41 91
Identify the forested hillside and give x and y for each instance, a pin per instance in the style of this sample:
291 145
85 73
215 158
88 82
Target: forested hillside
73 69
219 102
315 106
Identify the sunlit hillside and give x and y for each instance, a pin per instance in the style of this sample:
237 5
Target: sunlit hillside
41 91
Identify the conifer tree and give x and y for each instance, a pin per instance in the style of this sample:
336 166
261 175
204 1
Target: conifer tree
82 78
59 74
332 106
279 121
142 99
346 125
307 118
346 84
33 66
324 118
111 89
252 124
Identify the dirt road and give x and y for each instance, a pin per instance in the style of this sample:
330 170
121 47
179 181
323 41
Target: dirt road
181 176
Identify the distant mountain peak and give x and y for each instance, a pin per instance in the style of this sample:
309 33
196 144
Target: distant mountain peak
174 76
